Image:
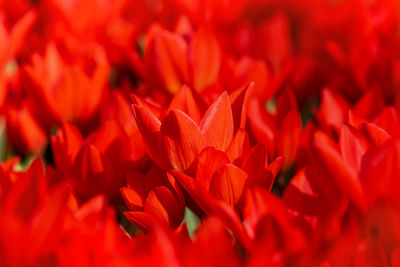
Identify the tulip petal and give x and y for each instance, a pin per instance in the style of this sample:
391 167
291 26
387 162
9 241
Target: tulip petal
190 103
149 126
163 204
217 123
182 139
194 188
333 109
205 56
49 218
380 172
240 102
228 183
133 200
147 104
338 169
239 145
167 54
65 145
388 119
141 220
208 162
275 166
299 196
19 30
353 146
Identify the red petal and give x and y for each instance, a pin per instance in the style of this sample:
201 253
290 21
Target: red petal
195 189
388 119
220 250
256 159
261 125
333 109
232 220
240 101
228 183
353 146
182 232
261 205
48 219
19 31
375 134
93 210
25 131
217 123
299 196
147 104
168 56
154 207
205 58
254 164
133 199
208 162
91 161
354 120
66 145
188 102
155 176
176 187
222 209
135 179
275 166
289 129
380 172
163 204
182 139
149 126
239 145
28 192
106 135
93 174
338 169
369 104
140 219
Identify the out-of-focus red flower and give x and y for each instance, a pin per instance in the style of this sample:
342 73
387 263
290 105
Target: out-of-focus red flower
280 127
337 197
94 165
43 226
10 45
68 92
276 239
24 129
192 58
220 252
117 108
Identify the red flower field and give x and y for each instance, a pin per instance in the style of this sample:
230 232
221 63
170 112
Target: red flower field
199 133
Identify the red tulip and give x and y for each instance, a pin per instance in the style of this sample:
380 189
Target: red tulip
154 196
68 92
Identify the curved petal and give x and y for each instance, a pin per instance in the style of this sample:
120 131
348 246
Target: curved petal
228 183
149 126
182 138
217 123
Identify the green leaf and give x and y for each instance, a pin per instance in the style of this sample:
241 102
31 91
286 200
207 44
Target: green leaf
24 164
192 221
270 105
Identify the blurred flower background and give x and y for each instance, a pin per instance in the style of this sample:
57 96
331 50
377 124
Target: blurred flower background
199 133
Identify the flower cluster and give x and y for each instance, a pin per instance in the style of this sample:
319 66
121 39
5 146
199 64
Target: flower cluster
200 133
